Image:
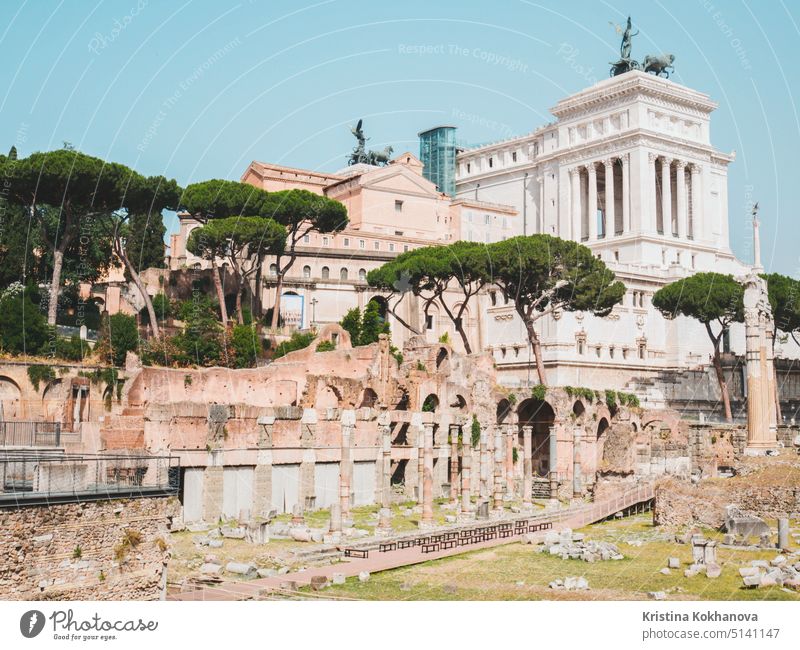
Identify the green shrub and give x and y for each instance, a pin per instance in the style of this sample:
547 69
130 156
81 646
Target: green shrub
39 373
298 341
475 432
23 328
162 306
118 336
539 392
245 345
73 349
611 400
200 343
326 346
396 353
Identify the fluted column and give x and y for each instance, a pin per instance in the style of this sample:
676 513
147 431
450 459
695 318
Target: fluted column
345 470
680 189
610 219
454 433
626 193
510 433
499 459
697 196
577 478
527 479
592 204
666 195
385 429
575 181
427 481
652 226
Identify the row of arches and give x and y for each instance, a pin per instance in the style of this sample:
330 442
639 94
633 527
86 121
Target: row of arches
325 273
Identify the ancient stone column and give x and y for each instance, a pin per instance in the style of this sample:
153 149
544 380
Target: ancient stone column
575 183
680 188
346 462
510 433
783 533
336 518
666 195
577 479
610 218
420 461
759 436
771 394
592 204
455 430
626 193
553 441
385 432
527 479
499 459
652 226
427 482
466 479
484 461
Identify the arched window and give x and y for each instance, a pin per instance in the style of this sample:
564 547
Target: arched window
273 269
306 271
343 273
362 275
326 273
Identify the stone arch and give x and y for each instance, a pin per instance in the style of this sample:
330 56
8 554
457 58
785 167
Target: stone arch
442 357
10 399
602 427
402 404
383 305
430 403
459 402
369 399
328 397
540 415
504 410
578 409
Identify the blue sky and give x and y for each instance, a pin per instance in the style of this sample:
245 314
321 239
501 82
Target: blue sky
198 89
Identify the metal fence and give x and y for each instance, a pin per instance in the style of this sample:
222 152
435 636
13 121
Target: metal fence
35 478
29 434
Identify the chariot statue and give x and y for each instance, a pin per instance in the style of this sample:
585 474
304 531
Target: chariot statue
360 154
660 65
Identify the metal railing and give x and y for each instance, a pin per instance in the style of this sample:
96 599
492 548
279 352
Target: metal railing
35 478
14 433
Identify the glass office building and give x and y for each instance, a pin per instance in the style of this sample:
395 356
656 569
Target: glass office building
437 151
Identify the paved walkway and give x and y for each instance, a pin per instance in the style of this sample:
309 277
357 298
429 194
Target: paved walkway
574 517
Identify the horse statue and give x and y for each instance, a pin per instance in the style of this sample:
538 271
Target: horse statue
660 65
381 157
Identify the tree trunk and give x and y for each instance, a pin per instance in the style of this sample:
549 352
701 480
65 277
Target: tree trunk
223 312
276 305
257 312
55 282
239 315
723 385
537 351
460 329
137 280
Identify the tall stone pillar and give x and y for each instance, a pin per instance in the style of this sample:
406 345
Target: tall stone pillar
499 460
466 479
553 441
592 204
575 183
651 224
510 433
697 203
346 462
527 478
455 430
385 432
680 188
484 461
626 193
666 195
420 461
610 221
577 478
427 483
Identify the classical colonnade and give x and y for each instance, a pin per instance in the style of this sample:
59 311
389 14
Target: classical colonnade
601 197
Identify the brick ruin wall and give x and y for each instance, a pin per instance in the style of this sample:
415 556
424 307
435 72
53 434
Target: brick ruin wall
100 550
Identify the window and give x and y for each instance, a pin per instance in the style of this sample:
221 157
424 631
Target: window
428 321
324 241
306 271
616 256
343 273
405 248
398 206
493 297
642 349
693 261
491 163
347 242
581 345
306 239
376 245
362 275
487 220
273 270
362 244
398 233
514 156
505 223
326 273
391 247
469 168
